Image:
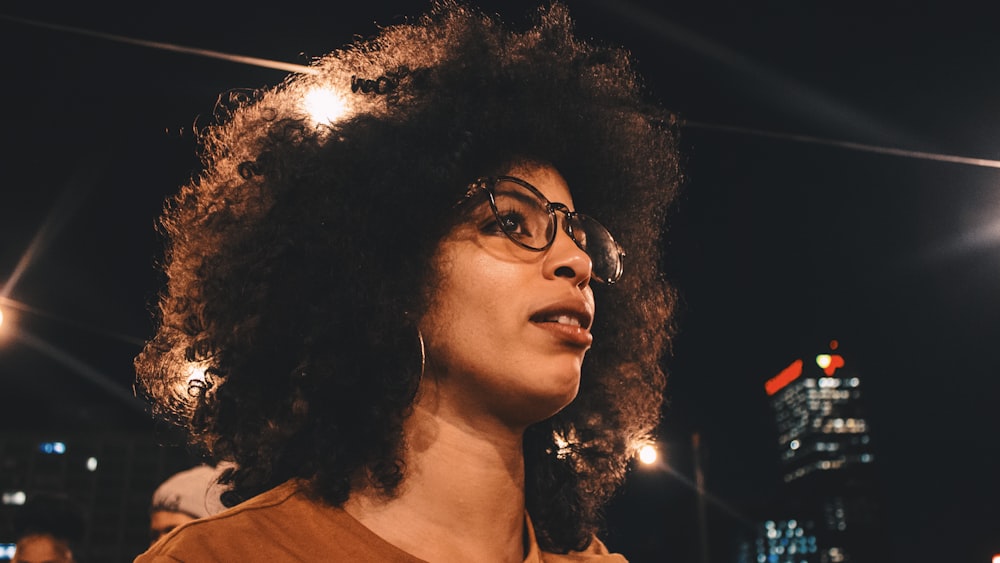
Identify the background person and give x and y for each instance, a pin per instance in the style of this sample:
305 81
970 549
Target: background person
46 529
185 496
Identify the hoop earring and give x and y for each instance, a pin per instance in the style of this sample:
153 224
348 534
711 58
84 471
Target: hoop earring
423 356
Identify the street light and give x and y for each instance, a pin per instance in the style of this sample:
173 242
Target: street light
649 456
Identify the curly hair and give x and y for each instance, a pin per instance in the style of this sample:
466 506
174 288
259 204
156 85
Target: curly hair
299 260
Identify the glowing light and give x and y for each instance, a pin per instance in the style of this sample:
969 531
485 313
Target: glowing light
91 464
15 498
52 448
647 454
996 558
195 373
823 360
794 444
787 375
195 385
324 106
830 362
564 443
1 317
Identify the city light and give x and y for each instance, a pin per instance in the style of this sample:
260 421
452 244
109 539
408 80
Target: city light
647 454
91 464
15 498
324 106
52 448
787 375
830 362
8 320
824 360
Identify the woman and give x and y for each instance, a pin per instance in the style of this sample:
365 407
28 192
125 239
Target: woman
381 314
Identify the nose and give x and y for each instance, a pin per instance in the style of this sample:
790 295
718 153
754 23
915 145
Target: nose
564 259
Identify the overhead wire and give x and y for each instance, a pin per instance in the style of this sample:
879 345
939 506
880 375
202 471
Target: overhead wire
683 123
984 162
163 46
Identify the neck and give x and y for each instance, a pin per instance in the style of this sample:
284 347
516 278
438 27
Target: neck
462 497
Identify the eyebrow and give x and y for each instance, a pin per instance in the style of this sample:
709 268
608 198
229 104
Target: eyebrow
520 195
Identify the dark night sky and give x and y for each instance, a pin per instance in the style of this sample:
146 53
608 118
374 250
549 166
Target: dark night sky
775 246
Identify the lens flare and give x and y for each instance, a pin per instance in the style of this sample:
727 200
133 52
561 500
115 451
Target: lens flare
324 106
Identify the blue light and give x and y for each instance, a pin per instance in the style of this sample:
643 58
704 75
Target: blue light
52 448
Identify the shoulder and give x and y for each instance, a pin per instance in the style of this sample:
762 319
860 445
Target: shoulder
227 532
283 524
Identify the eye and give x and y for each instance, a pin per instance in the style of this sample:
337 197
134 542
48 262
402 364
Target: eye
514 223
521 215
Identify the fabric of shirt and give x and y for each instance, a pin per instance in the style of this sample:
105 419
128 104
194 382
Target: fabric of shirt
284 524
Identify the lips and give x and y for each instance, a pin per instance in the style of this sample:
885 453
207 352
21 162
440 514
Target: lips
568 321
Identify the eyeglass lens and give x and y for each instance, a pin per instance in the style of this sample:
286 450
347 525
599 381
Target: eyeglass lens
524 217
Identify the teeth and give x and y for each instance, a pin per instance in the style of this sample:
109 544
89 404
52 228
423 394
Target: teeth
567 320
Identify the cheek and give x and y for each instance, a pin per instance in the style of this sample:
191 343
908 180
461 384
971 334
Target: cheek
473 278
471 306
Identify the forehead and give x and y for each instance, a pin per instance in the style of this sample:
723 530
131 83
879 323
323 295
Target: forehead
546 180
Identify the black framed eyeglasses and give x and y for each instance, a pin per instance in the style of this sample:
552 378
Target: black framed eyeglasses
529 219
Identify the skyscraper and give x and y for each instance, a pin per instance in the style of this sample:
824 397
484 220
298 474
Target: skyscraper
827 458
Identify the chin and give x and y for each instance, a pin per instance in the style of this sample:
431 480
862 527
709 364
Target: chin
547 405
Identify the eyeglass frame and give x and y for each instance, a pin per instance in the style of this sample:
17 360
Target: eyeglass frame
488 183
